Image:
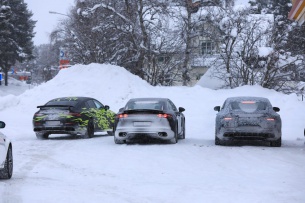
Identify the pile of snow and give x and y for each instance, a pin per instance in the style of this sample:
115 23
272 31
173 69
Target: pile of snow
209 81
114 86
14 87
95 170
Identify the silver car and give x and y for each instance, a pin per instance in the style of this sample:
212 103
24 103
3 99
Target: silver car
149 117
248 118
6 156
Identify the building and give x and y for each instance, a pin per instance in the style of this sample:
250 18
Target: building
297 12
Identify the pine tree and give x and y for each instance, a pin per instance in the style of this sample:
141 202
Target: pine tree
286 35
16 34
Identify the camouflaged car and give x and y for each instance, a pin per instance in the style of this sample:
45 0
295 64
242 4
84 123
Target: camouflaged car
72 115
248 118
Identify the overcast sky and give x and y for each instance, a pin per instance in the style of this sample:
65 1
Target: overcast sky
46 22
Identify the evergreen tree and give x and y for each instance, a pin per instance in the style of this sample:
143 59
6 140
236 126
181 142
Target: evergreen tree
287 35
16 33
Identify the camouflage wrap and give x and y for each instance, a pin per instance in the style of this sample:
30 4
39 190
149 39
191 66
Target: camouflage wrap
71 115
104 118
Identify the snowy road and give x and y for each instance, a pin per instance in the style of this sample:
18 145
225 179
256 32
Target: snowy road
64 169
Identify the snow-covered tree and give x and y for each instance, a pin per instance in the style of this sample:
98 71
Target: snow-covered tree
134 34
16 33
250 53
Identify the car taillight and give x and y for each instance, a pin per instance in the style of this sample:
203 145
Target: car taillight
39 114
227 118
270 119
164 115
122 115
75 114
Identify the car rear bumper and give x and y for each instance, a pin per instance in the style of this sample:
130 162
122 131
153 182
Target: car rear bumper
249 133
71 129
131 133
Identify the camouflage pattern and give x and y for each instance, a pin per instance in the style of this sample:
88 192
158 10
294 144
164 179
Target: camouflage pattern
63 111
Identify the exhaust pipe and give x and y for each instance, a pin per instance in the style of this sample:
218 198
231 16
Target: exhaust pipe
124 134
162 134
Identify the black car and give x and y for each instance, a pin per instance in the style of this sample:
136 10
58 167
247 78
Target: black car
72 115
248 118
149 117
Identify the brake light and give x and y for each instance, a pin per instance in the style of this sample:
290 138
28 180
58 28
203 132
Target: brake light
164 115
270 119
39 114
75 114
122 115
227 118
248 102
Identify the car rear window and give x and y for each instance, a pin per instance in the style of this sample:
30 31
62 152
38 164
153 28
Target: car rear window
248 106
144 105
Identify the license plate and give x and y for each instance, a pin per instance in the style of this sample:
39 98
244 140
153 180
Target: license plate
52 122
248 122
141 124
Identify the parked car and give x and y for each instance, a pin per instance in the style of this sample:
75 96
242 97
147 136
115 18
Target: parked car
72 115
248 118
149 117
6 155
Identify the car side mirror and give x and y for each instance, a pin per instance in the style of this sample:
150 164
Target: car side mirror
2 124
121 109
217 108
276 109
181 109
106 107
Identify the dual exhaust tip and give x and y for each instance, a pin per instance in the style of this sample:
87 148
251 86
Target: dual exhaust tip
160 134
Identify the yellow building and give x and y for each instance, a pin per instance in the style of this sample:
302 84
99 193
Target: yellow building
297 12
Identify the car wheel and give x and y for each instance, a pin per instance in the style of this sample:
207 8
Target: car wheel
42 136
183 132
117 141
217 141
7 172
89 131
276 143
175 139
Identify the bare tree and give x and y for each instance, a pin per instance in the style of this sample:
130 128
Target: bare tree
249 54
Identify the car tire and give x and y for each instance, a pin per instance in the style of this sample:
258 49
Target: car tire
42 136
276 143
175 139
7 171
117 141
89 131
217 141
183 132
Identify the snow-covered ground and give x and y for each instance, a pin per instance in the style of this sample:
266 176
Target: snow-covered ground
66 169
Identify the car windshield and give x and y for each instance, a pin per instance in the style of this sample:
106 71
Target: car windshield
156 105
248 106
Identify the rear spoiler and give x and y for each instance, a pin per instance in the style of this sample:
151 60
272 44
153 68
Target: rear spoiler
49 106
143 111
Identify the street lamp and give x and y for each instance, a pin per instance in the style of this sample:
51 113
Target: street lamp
53 12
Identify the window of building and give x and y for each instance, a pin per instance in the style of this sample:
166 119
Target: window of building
208 47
